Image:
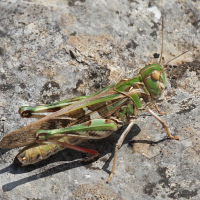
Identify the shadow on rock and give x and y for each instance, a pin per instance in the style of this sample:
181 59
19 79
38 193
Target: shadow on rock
70 157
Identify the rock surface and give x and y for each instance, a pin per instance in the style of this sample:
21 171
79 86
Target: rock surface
51 50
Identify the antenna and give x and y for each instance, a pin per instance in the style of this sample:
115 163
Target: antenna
162 47
176 57
162 40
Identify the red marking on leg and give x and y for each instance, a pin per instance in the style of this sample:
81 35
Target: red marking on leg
70 146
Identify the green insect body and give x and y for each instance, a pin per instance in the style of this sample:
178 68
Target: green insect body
36 152
87 117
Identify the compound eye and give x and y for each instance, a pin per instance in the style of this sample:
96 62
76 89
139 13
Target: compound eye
155 75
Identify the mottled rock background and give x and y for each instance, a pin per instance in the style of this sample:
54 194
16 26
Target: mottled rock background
54 49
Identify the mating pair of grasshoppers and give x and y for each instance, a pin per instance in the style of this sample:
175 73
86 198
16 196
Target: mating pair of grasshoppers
88 117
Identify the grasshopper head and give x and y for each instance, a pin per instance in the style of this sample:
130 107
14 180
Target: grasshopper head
154 79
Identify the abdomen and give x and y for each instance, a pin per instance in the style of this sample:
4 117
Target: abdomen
37 152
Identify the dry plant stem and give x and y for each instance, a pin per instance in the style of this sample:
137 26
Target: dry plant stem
118 145
163 123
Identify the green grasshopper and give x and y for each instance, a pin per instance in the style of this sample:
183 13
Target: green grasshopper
82 118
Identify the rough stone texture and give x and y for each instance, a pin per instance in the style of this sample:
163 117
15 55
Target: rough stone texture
54 49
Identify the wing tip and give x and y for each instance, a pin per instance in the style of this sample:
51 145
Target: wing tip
4 144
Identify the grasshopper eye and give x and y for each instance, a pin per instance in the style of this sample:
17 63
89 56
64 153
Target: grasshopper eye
155 75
